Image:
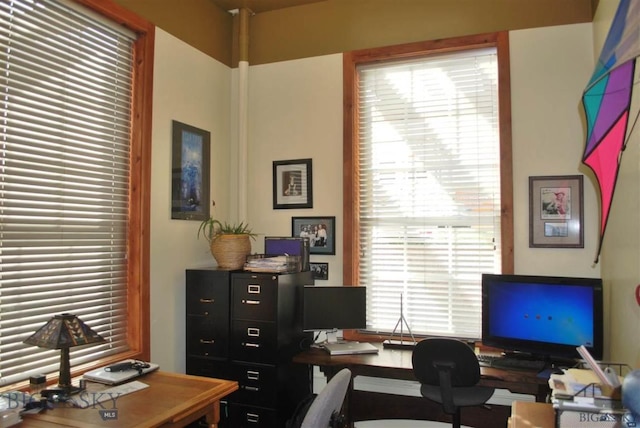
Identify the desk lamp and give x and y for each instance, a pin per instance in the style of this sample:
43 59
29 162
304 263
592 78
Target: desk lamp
63 332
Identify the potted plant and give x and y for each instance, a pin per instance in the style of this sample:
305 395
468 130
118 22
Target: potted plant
229 243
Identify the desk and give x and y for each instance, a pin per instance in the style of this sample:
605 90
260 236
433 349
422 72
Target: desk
171 400
396 364
531 415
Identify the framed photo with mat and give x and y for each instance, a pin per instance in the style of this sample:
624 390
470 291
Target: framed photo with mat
292 184
321 232
556 211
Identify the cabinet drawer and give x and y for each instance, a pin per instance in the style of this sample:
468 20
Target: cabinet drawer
207 293
210 367
207 336
255 297
252 417
253 341
207 305
257 384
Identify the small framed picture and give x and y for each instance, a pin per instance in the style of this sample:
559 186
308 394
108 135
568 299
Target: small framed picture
190 172
321 232
319 270
292 184
556 212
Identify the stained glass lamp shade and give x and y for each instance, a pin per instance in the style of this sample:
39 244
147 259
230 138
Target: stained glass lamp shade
63 332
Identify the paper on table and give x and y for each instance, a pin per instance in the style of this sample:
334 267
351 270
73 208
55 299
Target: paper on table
583 376
572 381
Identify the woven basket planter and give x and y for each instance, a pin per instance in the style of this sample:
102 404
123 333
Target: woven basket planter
230 251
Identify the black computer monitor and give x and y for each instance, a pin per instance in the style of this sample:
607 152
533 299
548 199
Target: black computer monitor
331 308
546 317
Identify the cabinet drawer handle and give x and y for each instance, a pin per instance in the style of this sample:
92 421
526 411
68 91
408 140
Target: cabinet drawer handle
202 300
251 302
253 289
252 418
207 341
253 375
253 332
251 388
251 345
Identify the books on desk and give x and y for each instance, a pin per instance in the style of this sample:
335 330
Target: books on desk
349 348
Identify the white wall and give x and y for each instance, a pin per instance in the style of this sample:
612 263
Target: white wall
549 69
192 88
295 111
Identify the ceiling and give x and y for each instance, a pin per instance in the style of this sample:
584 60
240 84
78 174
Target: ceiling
257 6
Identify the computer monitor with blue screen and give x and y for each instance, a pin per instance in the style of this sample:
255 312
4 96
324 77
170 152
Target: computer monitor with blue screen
545 317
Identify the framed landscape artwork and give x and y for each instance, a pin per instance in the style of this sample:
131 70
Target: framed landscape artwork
190 172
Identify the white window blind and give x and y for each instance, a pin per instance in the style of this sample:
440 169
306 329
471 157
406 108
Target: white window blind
429 186
65 99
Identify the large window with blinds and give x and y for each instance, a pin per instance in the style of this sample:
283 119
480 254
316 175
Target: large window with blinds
428 159
72 173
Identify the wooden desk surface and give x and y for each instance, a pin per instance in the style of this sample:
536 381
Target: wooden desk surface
531 415
396 364
170 400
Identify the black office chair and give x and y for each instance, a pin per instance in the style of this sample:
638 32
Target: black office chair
449 372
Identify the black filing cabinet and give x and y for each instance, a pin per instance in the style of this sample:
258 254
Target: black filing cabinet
246 327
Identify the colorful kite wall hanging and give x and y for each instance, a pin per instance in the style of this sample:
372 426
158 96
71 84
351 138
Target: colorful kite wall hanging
610 105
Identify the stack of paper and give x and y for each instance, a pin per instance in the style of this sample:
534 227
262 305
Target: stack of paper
275 264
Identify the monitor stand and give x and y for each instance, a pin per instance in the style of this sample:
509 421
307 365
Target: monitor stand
332 336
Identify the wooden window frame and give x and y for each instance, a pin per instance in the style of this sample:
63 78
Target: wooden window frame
351 60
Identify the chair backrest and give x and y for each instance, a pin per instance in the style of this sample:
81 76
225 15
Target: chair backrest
328 401
465 369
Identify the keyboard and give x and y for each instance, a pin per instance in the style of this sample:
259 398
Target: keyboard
500 362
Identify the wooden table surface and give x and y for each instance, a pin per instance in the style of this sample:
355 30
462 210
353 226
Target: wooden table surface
397 364
171 400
